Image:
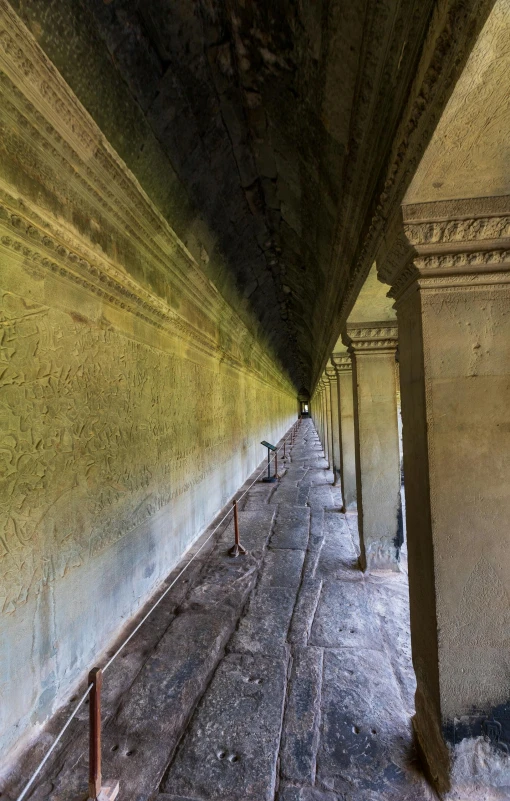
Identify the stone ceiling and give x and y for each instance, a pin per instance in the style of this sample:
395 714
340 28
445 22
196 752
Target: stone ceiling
262 130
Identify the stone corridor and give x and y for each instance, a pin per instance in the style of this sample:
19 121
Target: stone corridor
284 674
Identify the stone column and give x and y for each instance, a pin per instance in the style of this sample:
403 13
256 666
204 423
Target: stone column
324 431
329 421
373 347
343 367
449 267
336 458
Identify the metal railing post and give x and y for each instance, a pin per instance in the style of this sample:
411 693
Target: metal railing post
96 788
237 548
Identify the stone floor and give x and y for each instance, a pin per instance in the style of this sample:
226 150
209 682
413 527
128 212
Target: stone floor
284 674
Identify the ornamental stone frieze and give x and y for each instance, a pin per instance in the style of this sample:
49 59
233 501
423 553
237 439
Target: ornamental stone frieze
116 245
342 362
447 244
376 336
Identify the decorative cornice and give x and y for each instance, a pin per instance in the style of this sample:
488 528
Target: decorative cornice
378 336
331 373
45 129
443 57
451 243
342 362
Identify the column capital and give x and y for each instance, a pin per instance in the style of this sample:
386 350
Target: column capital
331 373
447 244
379 336
342 362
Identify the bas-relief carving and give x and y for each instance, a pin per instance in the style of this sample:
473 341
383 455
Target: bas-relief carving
108 417
99 432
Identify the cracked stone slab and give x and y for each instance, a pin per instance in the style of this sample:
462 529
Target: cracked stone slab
291 527
285 494
231 747
302 715
142 736
344 617
338 554
390 600
282 568
289 792
366 742
321 496
304 611
264 627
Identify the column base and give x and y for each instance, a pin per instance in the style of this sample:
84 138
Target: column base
381 555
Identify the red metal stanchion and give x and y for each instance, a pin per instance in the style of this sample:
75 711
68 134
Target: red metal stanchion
237 548
97 790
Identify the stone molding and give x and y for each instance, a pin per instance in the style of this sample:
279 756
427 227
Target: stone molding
76 161
331 373
342 362
442 60
376 336
448 243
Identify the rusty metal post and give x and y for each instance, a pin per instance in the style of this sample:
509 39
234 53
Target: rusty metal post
276 465
96 788
96 679
237 548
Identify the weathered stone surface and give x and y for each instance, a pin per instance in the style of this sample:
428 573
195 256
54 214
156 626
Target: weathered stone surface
366 740
285 494
231 747
304 612
302 717
282 568
344 617
264 627
142 736
338 554
390 601
255 527
291 528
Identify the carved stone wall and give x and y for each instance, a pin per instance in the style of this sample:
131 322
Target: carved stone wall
132 397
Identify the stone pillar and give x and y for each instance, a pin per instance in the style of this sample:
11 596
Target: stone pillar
449 267
343 367
324 431
329 420
373 347
336 458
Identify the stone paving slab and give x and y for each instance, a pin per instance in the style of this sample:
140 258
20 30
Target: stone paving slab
282 568
230 750
389 597
291 528
289 792
366 743
338 555
141 738
302 715
304 611
263 629
344 618
285 494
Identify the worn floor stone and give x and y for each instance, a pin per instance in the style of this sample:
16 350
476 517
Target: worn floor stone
283 675
231 748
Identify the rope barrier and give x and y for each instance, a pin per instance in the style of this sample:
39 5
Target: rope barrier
142 621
